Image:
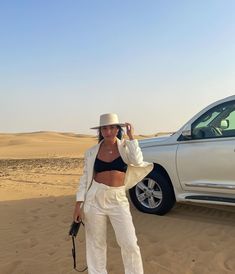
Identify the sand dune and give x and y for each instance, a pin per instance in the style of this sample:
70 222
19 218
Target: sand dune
38 179
43 145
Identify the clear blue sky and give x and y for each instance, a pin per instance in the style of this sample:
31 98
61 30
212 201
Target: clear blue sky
154 62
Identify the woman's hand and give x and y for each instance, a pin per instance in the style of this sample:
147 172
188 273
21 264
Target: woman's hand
77 215
129 131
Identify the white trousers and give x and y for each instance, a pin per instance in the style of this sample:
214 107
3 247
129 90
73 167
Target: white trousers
104 202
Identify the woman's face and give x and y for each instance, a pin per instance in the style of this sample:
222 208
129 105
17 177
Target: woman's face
109 132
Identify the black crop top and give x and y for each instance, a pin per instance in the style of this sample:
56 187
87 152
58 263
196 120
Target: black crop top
116 164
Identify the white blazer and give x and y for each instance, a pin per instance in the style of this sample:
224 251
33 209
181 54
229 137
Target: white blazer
131 154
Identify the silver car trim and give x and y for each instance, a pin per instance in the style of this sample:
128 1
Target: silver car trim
212 185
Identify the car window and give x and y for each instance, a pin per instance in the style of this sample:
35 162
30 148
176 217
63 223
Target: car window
230 130
206 119
218 122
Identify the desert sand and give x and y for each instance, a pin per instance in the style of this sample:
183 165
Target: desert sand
39 173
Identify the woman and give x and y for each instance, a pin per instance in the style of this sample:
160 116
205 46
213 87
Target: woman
111 167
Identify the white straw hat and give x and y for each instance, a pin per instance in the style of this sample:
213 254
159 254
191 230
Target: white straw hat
109 119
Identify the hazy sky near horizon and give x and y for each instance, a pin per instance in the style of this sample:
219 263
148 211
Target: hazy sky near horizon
155 63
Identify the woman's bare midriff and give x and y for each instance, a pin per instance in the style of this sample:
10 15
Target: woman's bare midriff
110 178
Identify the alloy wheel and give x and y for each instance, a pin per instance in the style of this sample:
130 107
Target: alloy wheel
149 193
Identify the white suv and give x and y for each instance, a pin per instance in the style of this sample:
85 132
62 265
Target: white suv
196 163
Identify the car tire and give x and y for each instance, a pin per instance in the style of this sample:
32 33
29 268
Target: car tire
154 194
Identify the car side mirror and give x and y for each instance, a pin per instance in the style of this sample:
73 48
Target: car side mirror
224 124
187 132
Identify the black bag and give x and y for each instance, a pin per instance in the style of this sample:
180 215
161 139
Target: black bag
73 231
74 228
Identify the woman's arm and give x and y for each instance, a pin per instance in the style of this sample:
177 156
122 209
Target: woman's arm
80 195
133 151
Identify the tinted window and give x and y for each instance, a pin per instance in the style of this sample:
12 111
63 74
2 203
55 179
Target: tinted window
216 123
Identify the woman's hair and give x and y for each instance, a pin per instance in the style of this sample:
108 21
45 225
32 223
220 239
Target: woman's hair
119 135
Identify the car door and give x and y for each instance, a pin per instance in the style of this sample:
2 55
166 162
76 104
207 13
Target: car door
206 162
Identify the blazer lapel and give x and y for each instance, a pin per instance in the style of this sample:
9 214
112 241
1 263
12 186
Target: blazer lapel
92 155
121 148
91 161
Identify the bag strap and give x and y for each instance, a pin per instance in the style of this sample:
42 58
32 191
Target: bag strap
74 256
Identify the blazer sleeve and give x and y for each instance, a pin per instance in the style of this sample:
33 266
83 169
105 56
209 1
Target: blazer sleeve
133 152
82 186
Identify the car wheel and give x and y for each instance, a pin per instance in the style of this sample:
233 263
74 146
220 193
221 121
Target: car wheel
154 194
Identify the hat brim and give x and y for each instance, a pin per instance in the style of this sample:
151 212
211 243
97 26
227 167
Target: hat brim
119 124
